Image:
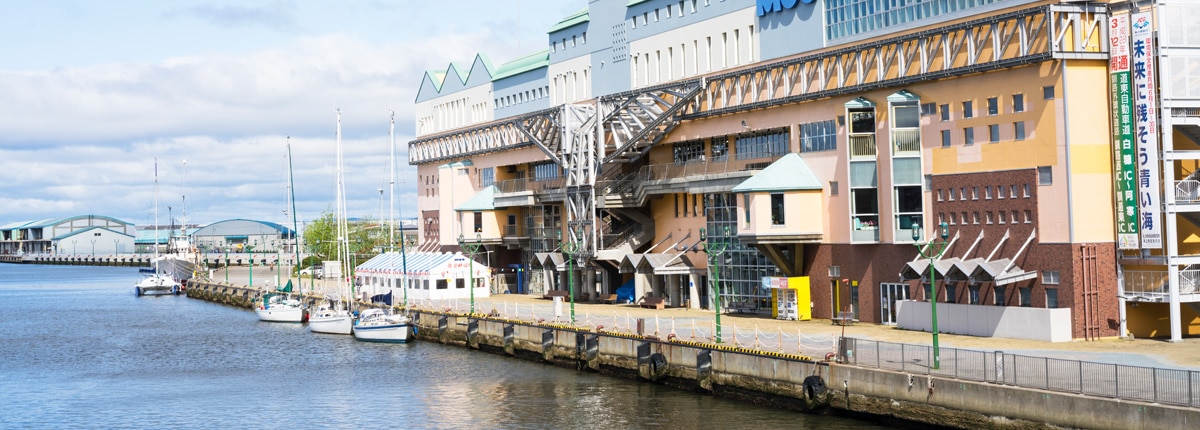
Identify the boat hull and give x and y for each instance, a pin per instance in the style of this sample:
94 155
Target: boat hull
390 333
156 285
336 324
280 314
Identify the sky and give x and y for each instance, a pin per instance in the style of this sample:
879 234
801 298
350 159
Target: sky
96 96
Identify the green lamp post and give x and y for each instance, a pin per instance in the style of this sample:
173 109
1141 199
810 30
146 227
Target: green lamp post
713 250
932 251
471 248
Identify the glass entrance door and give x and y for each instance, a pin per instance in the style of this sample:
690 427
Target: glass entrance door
889 294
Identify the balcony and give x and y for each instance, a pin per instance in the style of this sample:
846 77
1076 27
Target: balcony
906 142
862 145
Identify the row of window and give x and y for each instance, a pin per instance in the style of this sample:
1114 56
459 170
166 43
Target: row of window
846 18
580 40
968 134
999 295
953 218
762 144
666 12
701 56
695 209
952 194
522 97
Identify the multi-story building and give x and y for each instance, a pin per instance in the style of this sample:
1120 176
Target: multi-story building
814 138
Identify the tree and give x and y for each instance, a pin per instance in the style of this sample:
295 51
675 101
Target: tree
364 239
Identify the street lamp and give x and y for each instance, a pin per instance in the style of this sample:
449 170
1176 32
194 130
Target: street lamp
471 248
713 250
571 248
250 249
932 251
227 265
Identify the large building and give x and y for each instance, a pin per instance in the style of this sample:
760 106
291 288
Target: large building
77 235
826 139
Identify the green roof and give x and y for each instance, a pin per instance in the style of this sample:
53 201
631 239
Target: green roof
573 20
524 64
789 173
484 200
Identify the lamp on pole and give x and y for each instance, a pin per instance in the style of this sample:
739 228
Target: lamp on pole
471 248
932 251
571 248
227 264
93 248
250 249
713 250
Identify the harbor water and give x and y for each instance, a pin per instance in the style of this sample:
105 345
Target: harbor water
79 350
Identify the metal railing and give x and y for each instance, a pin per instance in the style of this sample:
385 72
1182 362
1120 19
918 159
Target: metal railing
1154 282
862 145
906 141
1187 191
1147 384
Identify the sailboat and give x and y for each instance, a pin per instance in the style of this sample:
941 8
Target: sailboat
375 325
156 282
279 305
332 317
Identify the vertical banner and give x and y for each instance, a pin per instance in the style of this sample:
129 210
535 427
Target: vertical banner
1121 109
1145 111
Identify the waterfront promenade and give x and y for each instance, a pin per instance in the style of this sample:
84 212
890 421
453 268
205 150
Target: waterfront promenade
812 338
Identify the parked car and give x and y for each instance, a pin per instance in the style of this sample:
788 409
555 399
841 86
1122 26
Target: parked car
315 271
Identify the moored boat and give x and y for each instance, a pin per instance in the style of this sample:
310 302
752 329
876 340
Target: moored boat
279 306
156 284
374 325
331 318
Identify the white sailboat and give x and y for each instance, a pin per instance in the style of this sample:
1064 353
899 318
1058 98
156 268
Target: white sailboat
333 317
279 305
375 325
156 282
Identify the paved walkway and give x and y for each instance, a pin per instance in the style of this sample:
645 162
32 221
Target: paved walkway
813 338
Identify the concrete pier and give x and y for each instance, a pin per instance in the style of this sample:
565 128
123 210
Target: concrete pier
782 380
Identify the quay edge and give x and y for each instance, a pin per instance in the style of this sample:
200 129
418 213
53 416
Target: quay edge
776 380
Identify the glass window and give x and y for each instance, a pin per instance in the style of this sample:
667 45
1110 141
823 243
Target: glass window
1028 216
968 136
687 151
761 144
951 297
1050 277
546 171
863 174
1018 101
487 176
1048 92
818 136
968 109
987 192
945 138
1026 296
993 106
945 111
907 170
998 298
906 115
975 217
1044 178
993 133
1026 187
939 194
862 121
1052 298
720 148
777 216
973 292
988 217
1019 130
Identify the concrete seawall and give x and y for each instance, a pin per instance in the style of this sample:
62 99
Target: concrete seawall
779 380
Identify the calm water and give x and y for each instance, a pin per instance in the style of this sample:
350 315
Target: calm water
78 349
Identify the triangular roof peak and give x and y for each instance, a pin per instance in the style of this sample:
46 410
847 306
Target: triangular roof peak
788 173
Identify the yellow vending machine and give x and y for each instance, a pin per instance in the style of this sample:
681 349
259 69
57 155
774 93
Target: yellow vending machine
791 297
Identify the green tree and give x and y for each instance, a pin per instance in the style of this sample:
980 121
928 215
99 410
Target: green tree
365 238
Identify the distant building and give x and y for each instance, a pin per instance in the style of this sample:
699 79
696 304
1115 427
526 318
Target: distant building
77 235
243 235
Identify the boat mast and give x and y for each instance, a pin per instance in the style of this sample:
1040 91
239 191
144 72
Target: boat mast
156 226
392 214
295 224
343 239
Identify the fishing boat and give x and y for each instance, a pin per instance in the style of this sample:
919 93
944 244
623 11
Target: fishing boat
155 282
333 317
280 306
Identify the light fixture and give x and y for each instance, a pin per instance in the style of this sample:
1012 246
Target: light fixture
744 125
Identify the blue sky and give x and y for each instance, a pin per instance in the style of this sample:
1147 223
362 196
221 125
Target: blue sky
92 92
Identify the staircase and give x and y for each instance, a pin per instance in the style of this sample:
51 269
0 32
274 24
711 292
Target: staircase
624 231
